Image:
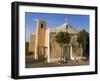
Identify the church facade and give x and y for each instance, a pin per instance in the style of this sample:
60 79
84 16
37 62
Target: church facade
44 47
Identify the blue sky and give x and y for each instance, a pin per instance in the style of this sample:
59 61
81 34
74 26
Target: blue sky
53 20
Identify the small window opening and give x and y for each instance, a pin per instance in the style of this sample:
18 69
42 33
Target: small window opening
41 25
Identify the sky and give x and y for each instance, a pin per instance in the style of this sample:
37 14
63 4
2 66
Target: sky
53 20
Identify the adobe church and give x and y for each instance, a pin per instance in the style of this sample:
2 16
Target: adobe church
44 47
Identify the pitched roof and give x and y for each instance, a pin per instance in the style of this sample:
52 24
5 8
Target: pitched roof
65 27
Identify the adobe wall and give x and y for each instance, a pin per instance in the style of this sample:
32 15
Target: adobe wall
55 50
77 50
32 44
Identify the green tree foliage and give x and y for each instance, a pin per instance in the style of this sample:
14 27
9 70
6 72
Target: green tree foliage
83 39
66 38
62 38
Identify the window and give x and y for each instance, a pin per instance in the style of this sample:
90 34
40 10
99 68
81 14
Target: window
41 25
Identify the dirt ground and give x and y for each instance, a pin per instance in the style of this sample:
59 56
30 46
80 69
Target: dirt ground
31 63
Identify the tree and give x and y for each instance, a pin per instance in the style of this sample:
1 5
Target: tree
62 38
83 39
